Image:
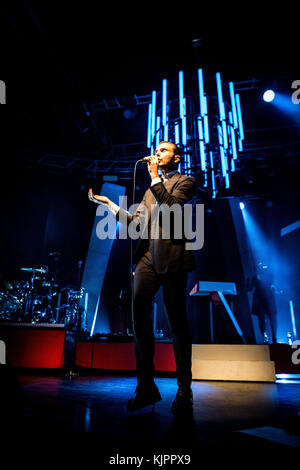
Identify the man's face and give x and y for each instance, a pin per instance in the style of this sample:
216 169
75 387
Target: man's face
165 153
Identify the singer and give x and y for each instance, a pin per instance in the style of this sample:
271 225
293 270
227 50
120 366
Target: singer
160 262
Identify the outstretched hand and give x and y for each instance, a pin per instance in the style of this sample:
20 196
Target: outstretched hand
97 199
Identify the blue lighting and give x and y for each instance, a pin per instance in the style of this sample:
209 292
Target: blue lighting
184 135
157 140
181 94
182 110
212 174
224 160
268 96
164 102
232 136
164 109
153 109
220 96
242 206
203 105
240 121
216 127
201 144
149 126
233 105
239 113
291 304
177 134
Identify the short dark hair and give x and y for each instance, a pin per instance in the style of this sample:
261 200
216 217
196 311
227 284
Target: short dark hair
177 150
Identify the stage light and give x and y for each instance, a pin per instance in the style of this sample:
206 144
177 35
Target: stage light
268 96
165 109
149 133
153 109
242 206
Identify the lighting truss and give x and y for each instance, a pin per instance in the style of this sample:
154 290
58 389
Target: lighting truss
211 137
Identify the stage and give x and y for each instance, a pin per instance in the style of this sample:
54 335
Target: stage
233 416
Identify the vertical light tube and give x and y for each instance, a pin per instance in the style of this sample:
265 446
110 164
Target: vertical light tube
166 132
233 105
164 109
201 145
177 139
177 134
239 114
153 109
220 97
182 113
206 129
95 316
293 319
224 160
222 109
157 136
181 94
232 136
184 136
149 125
240 121
201 93
213 183
203 105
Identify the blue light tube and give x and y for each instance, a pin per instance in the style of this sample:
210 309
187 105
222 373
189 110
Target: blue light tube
177 134
149 125
164 102
201 145
239 113
233 105
153 109
206 129
184 134
157 135
224 130
166 132
181 94
202 102
213 183
232 136
220 96
224 160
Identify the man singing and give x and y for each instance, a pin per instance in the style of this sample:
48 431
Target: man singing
160 262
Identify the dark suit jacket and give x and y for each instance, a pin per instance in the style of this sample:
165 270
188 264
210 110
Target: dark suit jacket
168 255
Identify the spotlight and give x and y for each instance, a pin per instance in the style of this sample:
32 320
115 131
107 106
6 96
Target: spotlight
268 96
242 206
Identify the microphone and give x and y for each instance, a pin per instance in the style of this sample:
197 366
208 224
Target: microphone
145 159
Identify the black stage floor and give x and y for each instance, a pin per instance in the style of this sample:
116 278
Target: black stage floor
229 416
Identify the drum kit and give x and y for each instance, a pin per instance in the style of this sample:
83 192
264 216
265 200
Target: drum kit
40 299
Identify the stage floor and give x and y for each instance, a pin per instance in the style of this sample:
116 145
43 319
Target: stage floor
227 415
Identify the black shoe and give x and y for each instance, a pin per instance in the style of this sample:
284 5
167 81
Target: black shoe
145 396
183 403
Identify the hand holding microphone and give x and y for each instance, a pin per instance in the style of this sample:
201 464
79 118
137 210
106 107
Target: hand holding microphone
153 162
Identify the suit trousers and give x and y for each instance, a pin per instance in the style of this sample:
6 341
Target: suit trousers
146 283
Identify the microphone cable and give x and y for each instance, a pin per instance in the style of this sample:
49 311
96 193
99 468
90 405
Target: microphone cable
131 242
